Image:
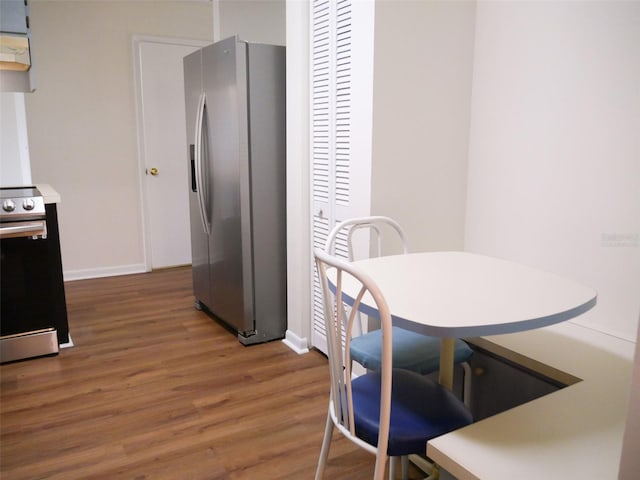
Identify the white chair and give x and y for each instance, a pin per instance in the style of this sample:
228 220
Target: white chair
390 412
411 351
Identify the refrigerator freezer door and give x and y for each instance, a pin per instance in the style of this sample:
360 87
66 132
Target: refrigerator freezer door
199 237
230 258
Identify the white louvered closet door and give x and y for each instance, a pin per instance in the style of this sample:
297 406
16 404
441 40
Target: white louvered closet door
341 109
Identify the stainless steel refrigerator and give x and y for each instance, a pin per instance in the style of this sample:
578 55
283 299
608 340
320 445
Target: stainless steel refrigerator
235 109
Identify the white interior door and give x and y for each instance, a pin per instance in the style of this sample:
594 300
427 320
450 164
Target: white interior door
162 140
341 124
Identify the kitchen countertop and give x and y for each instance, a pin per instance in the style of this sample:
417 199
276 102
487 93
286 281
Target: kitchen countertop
49 194
575 432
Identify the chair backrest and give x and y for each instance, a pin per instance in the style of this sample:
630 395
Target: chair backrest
335 275
382 231
340 240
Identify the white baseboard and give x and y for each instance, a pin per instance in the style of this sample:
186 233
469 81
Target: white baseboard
70 275
69 344
296 343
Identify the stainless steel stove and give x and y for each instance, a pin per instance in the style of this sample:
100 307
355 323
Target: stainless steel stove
23 213
33 307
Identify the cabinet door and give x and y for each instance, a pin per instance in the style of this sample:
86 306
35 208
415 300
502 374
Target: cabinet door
13 16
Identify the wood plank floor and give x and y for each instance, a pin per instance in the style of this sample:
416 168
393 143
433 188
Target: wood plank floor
154 389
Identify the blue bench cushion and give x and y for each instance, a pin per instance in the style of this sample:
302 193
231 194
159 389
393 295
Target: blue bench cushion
420 410
411 351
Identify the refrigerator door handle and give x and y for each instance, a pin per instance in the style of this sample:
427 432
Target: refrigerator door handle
192 158
199 163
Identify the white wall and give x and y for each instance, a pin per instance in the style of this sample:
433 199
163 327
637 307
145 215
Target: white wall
15 168
554 156
629 460
81 119
261 21
421 109
298 175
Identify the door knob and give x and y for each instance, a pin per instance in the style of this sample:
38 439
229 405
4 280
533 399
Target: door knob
153 171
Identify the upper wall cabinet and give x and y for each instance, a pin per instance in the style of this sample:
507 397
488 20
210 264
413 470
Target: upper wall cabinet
16 73
14 17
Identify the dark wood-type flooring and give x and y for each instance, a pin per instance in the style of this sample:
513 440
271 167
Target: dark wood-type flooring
154 389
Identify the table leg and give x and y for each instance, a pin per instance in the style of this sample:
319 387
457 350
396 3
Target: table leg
446 362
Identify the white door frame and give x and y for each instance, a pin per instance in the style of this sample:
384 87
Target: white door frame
144 202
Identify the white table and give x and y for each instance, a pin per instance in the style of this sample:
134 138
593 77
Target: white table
575 432
459 294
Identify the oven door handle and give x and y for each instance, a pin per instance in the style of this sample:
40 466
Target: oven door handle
24 229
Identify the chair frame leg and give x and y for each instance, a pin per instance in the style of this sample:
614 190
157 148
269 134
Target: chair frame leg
326 444
466 389
381 464
393 462
405 467
425 465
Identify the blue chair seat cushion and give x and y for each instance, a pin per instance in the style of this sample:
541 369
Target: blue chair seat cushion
411 351
420 410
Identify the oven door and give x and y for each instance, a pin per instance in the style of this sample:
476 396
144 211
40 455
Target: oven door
28 325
